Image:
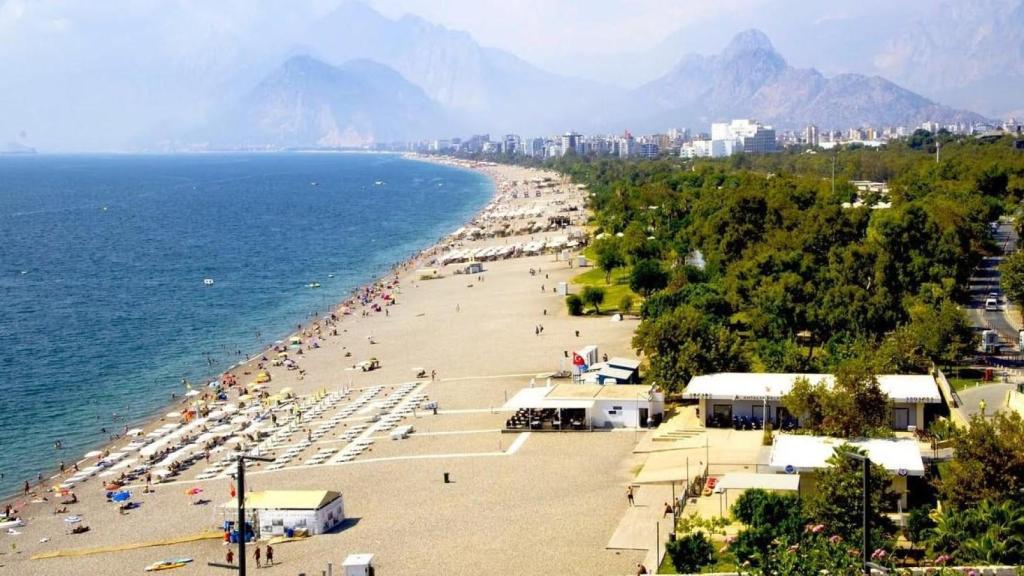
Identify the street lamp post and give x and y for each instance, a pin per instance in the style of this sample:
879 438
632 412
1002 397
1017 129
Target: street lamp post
866 511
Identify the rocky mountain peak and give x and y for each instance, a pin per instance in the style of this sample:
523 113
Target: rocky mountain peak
752 40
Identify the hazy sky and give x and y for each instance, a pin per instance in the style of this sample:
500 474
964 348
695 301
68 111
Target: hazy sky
563 34
104 72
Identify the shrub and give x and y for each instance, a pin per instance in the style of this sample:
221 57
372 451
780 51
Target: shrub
575 305
691 552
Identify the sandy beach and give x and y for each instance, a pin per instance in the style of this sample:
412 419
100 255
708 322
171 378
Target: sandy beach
519 503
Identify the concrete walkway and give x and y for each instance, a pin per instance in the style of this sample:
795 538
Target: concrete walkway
644 526
994 396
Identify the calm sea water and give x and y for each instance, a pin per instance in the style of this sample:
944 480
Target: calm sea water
103 309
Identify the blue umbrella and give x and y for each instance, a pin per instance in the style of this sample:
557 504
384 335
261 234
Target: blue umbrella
121 496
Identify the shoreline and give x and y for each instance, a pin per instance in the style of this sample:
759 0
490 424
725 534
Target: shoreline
153 419
487 334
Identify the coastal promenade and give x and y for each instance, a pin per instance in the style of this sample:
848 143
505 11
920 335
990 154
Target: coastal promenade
527 503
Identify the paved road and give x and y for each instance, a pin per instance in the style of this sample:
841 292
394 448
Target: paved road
994 396
984 281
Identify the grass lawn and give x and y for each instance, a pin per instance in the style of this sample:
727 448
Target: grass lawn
962 378
613 291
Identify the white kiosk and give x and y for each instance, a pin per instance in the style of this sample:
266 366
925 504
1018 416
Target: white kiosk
358 565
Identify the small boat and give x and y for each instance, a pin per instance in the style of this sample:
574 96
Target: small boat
208 281
314 183
330 275
378 183
313 285
167 564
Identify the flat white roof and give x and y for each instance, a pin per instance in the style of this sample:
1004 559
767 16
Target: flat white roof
748 480
537 398
758 386
799 453
626 363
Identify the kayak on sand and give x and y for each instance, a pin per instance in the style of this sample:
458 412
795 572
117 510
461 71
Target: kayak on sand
168 564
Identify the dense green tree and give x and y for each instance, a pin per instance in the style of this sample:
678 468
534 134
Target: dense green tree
850 407
1011 277
594 296
837 502
989 461
686 342
609 256
942 332
647 277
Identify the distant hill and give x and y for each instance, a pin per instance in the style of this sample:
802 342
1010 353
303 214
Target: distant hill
749 79
490 89
308 103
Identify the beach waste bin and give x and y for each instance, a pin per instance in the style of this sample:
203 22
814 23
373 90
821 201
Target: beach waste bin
289 532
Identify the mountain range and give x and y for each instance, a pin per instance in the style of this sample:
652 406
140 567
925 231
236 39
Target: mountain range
309 103
360 77
749 79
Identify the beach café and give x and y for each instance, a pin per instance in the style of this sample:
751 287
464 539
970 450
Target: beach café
585 407
758 396
290 512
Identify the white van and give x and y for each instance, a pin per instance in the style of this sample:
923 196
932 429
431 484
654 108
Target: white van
991 304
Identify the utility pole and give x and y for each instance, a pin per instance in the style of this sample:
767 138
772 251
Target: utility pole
240 527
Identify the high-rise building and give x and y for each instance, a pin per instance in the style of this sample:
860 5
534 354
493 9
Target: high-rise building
741 135
811 135
571 141
534 147
511 145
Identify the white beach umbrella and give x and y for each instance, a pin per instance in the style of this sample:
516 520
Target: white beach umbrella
93 454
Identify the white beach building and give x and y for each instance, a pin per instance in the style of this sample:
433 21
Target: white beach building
759 395
805 455
282 511
592 405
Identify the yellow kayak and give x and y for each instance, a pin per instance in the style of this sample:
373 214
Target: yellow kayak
168 564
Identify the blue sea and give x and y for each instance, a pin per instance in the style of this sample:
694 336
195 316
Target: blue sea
103 309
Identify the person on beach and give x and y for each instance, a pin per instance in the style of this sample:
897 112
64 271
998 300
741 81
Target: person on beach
256 556
270 555
629 495
229 557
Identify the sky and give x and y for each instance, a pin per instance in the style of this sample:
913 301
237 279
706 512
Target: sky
103 74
